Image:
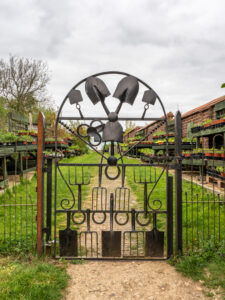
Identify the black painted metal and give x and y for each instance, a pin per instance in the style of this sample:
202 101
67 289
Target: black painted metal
145 240
170 216
178 182
49 200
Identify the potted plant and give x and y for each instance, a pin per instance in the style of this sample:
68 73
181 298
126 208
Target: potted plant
222 155
197 127
8 139
207 123
217 154
208 153
171 140
187 154
27 132
24 140
222 171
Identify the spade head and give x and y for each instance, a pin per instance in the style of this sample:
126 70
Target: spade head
68 242
75 96
111 243
127 90
96 89
113 132
149 97
154 246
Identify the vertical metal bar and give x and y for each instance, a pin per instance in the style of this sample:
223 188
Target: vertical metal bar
208 215
79 197
111 211
32 222
40 182
169 216
197 222
178 182
15 174
49 200
186 206
218 195
21 220
145 198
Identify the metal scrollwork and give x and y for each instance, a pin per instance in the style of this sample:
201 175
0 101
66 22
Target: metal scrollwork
67 200
112 177
76 222
97 222
143 224
155 202
91 132
101 129
121 223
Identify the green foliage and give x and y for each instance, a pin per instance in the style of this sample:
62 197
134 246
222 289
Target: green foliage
12 137
189 140
159 133
32 280
223 85
147 151
206 264
207 121
77 261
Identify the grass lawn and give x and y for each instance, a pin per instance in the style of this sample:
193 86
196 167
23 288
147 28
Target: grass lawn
18 208
206 264
32 279
203 217
203 214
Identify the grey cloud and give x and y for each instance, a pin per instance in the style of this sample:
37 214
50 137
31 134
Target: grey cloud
177 46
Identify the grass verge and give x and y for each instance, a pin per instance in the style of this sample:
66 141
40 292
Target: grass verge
31 279
207 264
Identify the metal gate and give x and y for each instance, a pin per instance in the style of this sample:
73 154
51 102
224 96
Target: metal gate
112 207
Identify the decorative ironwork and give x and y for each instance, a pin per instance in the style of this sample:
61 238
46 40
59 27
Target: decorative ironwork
102 212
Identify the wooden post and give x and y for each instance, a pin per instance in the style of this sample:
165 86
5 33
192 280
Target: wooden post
178 181
40 182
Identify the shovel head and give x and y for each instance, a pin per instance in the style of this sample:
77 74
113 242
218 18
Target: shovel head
96 89
68 242
154 246
111 243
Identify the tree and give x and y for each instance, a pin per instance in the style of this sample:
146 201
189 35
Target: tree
23 83
223 85
3 115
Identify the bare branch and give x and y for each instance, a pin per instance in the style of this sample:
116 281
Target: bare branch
23 81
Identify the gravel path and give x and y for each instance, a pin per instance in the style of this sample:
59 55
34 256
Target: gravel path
130 280
102 280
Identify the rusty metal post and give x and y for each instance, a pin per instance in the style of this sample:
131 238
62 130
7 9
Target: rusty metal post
40 182
178 181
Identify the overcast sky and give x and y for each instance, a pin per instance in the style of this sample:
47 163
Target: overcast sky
177 46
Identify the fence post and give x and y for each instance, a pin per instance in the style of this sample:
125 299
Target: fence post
178 181
169 216
40 182
49 205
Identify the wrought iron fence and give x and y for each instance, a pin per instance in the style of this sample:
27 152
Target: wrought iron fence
17 196
203 201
